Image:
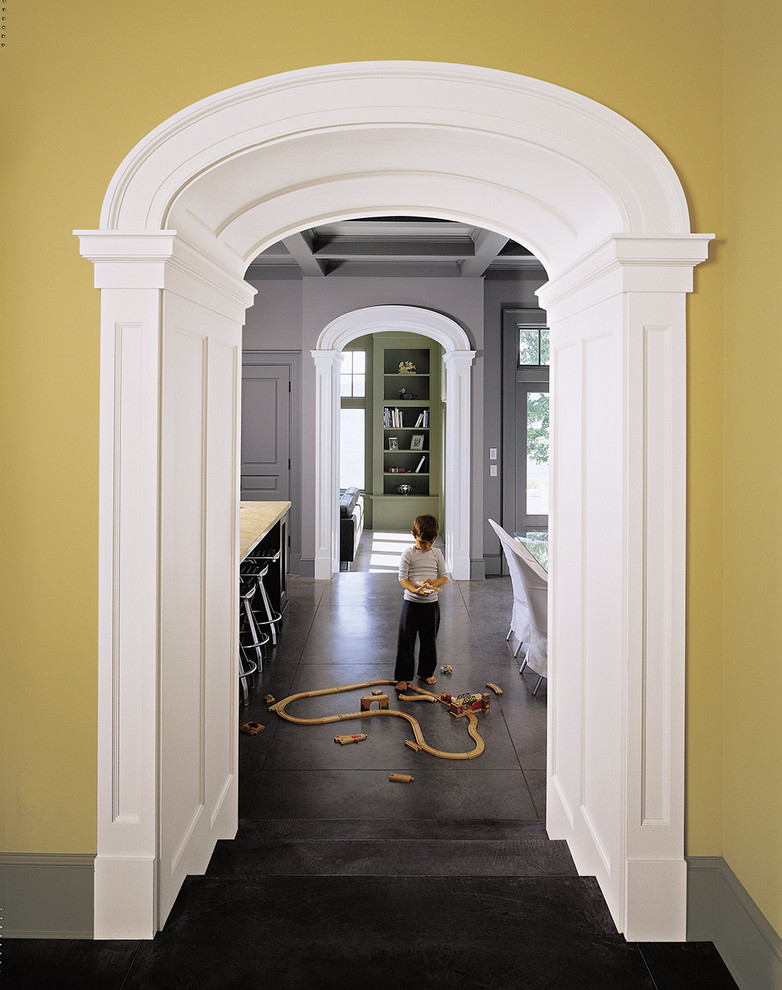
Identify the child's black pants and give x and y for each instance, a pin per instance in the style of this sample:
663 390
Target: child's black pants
420 619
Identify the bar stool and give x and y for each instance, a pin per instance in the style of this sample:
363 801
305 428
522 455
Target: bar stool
248 626
265 615
247 670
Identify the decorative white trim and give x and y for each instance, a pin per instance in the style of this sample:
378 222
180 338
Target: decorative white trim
589 193
606 167
458 360
626 292
327 364
457 365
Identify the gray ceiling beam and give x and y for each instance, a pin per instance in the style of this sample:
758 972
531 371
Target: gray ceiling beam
300 248
398 249
488 245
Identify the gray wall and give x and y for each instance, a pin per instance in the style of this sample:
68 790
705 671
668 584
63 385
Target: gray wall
274 321
291 314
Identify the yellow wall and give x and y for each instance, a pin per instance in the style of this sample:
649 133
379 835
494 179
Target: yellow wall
752 679
89 80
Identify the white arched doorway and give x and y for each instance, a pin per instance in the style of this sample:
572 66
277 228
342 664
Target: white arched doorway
602 208
457 360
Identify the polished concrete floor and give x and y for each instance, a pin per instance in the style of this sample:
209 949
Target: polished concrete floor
339 878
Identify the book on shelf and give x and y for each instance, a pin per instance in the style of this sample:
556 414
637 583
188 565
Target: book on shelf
420 464
392 418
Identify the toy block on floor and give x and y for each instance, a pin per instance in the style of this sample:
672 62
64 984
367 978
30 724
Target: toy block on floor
368 700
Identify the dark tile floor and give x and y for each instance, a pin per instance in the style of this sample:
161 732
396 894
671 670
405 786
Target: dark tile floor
339 878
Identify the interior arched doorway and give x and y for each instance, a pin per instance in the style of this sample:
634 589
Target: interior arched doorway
602 208
457 359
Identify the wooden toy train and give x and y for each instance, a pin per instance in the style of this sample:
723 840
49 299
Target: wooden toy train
464 703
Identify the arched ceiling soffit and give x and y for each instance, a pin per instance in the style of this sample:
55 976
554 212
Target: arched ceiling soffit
539 163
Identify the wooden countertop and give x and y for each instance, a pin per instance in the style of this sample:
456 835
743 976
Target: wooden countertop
255 521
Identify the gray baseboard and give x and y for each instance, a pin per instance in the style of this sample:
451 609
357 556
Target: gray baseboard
47 896
492 563
307 567
720 910
477 569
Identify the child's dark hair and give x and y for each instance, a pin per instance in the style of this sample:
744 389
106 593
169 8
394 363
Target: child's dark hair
425 528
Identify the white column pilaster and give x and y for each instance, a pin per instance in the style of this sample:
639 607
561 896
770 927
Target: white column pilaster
130 271
134 271
457 462
625 299
327 365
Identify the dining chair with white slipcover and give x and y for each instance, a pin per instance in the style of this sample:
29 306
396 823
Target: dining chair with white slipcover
529 619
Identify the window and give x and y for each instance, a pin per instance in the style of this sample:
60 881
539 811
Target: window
352 424
353 376
533 346
525 426
352 448
537 436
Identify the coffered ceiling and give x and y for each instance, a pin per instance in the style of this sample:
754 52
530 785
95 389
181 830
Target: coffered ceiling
393 246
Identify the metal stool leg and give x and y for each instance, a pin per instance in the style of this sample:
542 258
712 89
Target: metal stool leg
257 638
270 618
247 671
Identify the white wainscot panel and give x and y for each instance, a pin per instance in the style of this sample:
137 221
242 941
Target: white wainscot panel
183 675
603 612
221 579
566 590
658 536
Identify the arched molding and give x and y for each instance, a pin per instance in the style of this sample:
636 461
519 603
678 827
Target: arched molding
457 362
601 206
245 160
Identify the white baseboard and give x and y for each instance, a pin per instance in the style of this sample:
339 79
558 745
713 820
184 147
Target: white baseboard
125 897
720 910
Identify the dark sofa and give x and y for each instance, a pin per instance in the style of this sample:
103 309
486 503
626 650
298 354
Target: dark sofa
351 524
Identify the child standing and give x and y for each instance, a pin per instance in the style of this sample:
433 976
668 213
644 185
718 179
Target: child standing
421 573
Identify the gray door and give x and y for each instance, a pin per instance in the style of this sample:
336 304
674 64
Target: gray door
266 427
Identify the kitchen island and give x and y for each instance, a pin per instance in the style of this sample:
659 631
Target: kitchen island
263 532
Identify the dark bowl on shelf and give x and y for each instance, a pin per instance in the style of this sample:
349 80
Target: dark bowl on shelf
405 489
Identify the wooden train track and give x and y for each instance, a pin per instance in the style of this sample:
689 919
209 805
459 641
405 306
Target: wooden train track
420 743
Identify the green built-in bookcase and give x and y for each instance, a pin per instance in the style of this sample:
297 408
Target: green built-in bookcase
407 426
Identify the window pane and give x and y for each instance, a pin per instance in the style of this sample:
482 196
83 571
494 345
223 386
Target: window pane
537 453
344 384
528 346
347 362
359 362
359 386
544 347
351 448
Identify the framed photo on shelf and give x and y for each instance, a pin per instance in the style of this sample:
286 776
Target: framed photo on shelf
417 441
393 443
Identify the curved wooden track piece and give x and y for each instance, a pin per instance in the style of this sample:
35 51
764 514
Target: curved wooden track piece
472 728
